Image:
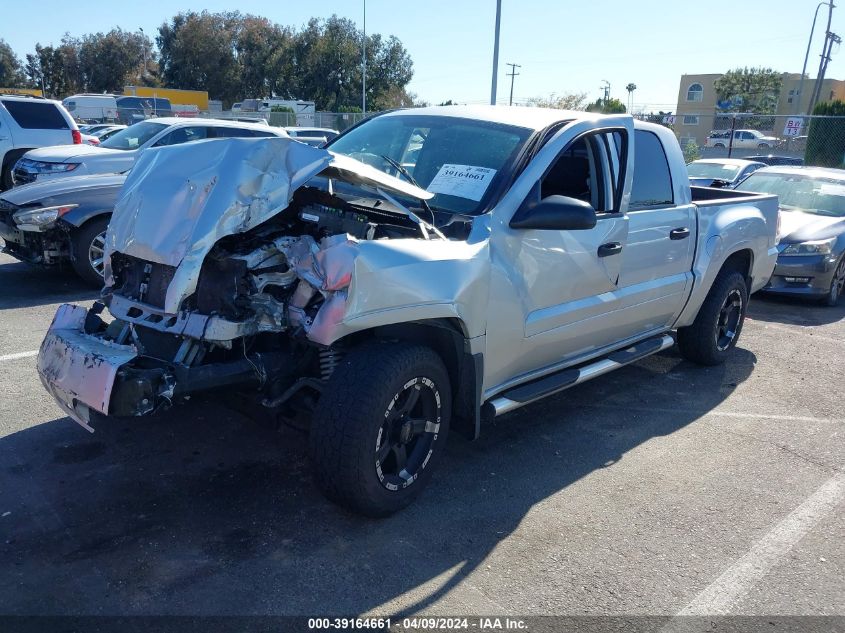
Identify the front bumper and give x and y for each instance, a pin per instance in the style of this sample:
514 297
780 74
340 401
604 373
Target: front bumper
79 369
48 247
86 372
807 275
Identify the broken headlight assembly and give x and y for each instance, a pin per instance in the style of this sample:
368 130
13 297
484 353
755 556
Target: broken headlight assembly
41 217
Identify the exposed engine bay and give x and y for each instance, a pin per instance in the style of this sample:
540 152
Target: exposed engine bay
288 275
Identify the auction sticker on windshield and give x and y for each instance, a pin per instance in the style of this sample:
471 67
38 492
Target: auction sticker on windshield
464 181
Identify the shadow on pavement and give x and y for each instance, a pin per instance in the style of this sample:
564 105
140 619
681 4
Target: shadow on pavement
23 285
794 310
202 512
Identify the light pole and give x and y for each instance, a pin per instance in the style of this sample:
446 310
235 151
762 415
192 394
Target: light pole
144 47
496 53
807 56
364 65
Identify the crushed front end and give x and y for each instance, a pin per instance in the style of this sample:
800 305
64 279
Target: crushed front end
228 271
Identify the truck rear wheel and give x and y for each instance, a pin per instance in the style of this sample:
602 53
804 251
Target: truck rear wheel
380 426
717 326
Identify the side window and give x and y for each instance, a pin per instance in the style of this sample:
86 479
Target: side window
183 135
232 132
652 186
584 169
34 115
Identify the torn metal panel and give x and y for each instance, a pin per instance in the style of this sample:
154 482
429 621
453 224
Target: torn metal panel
77 368
179 201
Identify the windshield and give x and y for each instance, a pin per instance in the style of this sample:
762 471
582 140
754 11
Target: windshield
715 171
821 196
134 136
461 161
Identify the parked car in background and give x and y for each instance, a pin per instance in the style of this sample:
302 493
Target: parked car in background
119 152
133 109
742 139
91 128
107 132
30 122
773 159
314 136
90 139
54 222
91 107
526 251
720 172
811 260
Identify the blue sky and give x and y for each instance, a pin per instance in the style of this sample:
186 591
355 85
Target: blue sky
562 46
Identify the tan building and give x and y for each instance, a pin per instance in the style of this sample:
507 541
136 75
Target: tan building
696 113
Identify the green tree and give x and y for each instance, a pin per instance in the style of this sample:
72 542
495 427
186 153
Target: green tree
691 151
112 60
197 51
754 90
566 101
607 106
11 72
826 137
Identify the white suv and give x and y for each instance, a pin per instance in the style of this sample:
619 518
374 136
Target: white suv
27 123
119 152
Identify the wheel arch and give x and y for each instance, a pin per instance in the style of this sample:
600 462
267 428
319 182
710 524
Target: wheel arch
448 338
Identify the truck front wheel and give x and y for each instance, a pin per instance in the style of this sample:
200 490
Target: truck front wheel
717 326
380 426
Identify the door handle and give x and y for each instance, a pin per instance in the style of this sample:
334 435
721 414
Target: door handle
611 248
679 234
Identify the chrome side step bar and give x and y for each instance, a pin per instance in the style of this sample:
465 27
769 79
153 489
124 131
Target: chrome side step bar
519 396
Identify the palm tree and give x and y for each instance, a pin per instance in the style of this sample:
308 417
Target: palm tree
630 88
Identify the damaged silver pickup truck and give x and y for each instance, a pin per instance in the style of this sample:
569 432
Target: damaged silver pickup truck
430 269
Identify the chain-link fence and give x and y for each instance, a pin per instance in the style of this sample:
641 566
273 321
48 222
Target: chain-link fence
332 120
811 140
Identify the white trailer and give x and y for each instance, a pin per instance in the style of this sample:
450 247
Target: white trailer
91 107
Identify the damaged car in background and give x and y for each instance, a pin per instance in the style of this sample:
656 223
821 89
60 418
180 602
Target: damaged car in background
428 270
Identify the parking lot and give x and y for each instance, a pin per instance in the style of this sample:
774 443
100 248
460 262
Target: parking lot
660 489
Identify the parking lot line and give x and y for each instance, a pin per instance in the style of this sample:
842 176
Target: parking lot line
28 354
739 578
716 412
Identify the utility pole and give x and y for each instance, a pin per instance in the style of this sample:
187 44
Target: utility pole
364 65
496 53
832 39
512 74
800 96
606 87
144 46
828 45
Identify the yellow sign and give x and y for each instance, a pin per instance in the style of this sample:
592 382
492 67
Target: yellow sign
21 91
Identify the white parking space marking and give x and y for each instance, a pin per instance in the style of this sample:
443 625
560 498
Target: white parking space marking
718 413
19 355
739 578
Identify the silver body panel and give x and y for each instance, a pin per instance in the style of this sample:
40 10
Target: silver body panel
530 301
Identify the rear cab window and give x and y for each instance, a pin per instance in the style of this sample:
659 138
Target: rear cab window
36 115
652 181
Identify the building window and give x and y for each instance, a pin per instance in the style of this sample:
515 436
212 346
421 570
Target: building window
690 119
695 92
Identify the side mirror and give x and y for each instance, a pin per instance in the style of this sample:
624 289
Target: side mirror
555 213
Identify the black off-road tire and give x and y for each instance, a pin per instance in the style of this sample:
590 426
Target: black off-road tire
81 240
350 418
700 342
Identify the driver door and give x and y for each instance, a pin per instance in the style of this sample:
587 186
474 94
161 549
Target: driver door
554 293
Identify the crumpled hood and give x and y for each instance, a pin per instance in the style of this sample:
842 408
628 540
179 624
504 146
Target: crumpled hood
797 226
42 190
65 153
179 201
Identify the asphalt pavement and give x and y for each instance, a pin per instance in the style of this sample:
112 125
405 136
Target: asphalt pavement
661 489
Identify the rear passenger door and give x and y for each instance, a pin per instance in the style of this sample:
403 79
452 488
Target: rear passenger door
657 260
